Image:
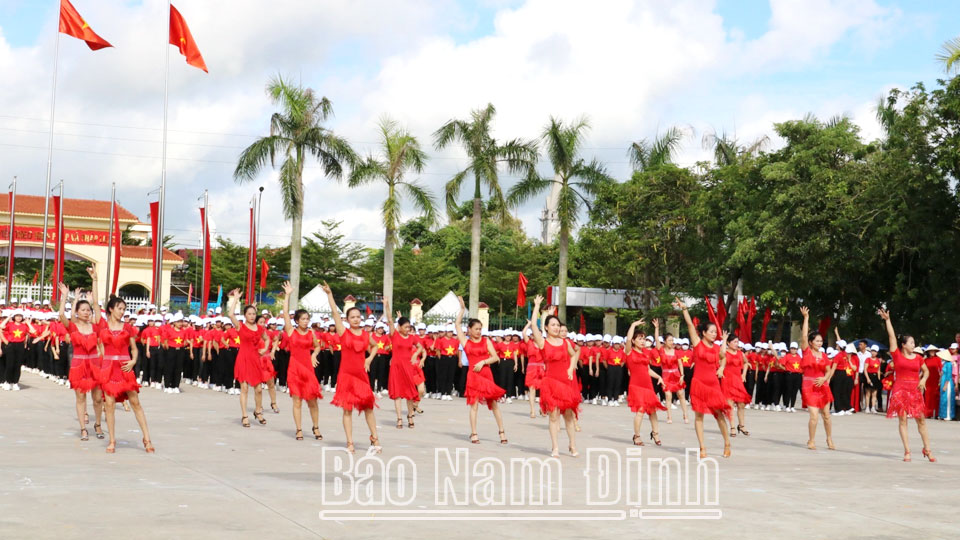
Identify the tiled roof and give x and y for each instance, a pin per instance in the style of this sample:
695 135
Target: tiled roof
33 204
145 252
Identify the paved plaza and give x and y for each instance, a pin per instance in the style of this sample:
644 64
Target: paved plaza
211 478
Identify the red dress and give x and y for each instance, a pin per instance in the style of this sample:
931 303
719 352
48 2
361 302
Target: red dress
401 383
301 377
116 351
86 360
353 384
670 362
480 386
267 371
641 396
931 395
247 367
557 391
905 397
813 367
706 396
732 381
535 366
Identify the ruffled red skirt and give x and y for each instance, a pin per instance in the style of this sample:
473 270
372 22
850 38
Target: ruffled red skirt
267 372
401 381
819 397
561 395
85 375
706 397
246 369
115 382
534 375
643 399
480 387
353 393
302 381
418 376
732 386
905 398
672 381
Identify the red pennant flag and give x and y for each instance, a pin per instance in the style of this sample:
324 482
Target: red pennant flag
766 321
583 324
741 322
36 276
824 327
710 313
522 290
205 293
264 268
154 215
72 24
181 38
116 249
369 311
721 314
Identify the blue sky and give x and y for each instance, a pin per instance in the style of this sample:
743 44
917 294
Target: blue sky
633 67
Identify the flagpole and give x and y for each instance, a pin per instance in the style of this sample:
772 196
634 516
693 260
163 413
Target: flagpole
259 201
204 286
109 281
158 278
46 198
10 248
58 245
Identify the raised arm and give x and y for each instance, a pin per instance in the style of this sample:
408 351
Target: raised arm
287 323
64 294
95 295
458 325
656 334
805 329
891 334
537 333
386 313
337 321
630 332
233 298
691 329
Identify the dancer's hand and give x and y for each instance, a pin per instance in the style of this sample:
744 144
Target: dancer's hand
570 373
884 314
287 289
719 373
326 288
819 381
805 311
128 365
921 386
314 362
478 367
677 303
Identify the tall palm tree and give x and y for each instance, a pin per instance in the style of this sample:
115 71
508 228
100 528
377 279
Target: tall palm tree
645 155
401 153
296 133
486 157
949 54
727 150
574 181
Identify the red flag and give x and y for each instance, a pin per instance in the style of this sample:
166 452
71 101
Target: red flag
721 314
766 321
205 293
583 324
751 311
189 293
154 216
696 322
369 311
741 322
11 250
54 275
710 313
36 276
116 249
522 290
181 38
264 268
824 327
72 24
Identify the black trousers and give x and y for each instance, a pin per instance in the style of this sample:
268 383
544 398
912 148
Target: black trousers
614 381
63 362
761 395
281 362
505 367
520 379
775 387
659 389
601 381
228 357
446 370
173 367
203 374
379 370
14 355
791 387
336 368
155 364
751 382
430 374
841 385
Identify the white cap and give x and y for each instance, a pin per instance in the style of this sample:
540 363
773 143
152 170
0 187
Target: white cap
794 345
954 346
607 338
841 344
875 348
850 349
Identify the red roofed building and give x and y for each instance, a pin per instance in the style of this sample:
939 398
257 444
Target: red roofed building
86 226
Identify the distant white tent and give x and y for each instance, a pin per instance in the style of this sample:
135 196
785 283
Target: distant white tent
316 301
448 306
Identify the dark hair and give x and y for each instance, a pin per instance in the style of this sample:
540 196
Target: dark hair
546 322
402 321
731 337
249 306
354 308
113 301
299 313
667 335
813 335
472 322
704 326
902 339
79 303
261 316
640 335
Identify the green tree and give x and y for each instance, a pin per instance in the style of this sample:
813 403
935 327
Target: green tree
486 157
574 184
400 155
297 132
645 155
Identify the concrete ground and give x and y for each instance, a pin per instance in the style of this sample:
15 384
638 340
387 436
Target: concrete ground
211 478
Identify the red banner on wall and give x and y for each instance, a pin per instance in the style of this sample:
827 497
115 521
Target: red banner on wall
70 236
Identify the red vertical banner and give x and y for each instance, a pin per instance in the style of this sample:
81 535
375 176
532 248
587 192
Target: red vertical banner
583 322
190 294
721 314
522 290
711 314
154 214
55 273
205 293
824 327
10 249
116 249
264 269
766 321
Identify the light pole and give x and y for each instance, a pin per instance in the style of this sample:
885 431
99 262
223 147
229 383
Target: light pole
259 199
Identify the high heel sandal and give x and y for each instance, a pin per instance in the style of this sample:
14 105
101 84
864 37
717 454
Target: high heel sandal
686 420
84 436
811 445
96 428
503 440
409 420
399 423
655 437
726 450
906 456
259 416
669 420
148 446
573 452
350 447
375 444
533 415
741 430
555 453
830 445
86 418
929 455
703 452
418 410
637 439
733 432
299 435
316 433
576 427
274 407
112 447
474 438
245 422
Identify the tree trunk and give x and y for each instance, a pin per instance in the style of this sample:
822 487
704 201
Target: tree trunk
388 269
562 278
475 259
296 237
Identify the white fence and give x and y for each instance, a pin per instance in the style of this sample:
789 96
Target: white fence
22 290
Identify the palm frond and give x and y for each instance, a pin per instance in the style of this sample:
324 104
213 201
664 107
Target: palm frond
254 157
366 171
664 147
291 187
452 190
527 188
949 54
639 155
422 200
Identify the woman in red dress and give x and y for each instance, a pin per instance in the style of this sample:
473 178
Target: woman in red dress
301 373
117 379
353 383
82 333
906 397
559 391
534 368
734 375
673 372
706 396
815 390
246 369
641 397
267 370
405 381
480 386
